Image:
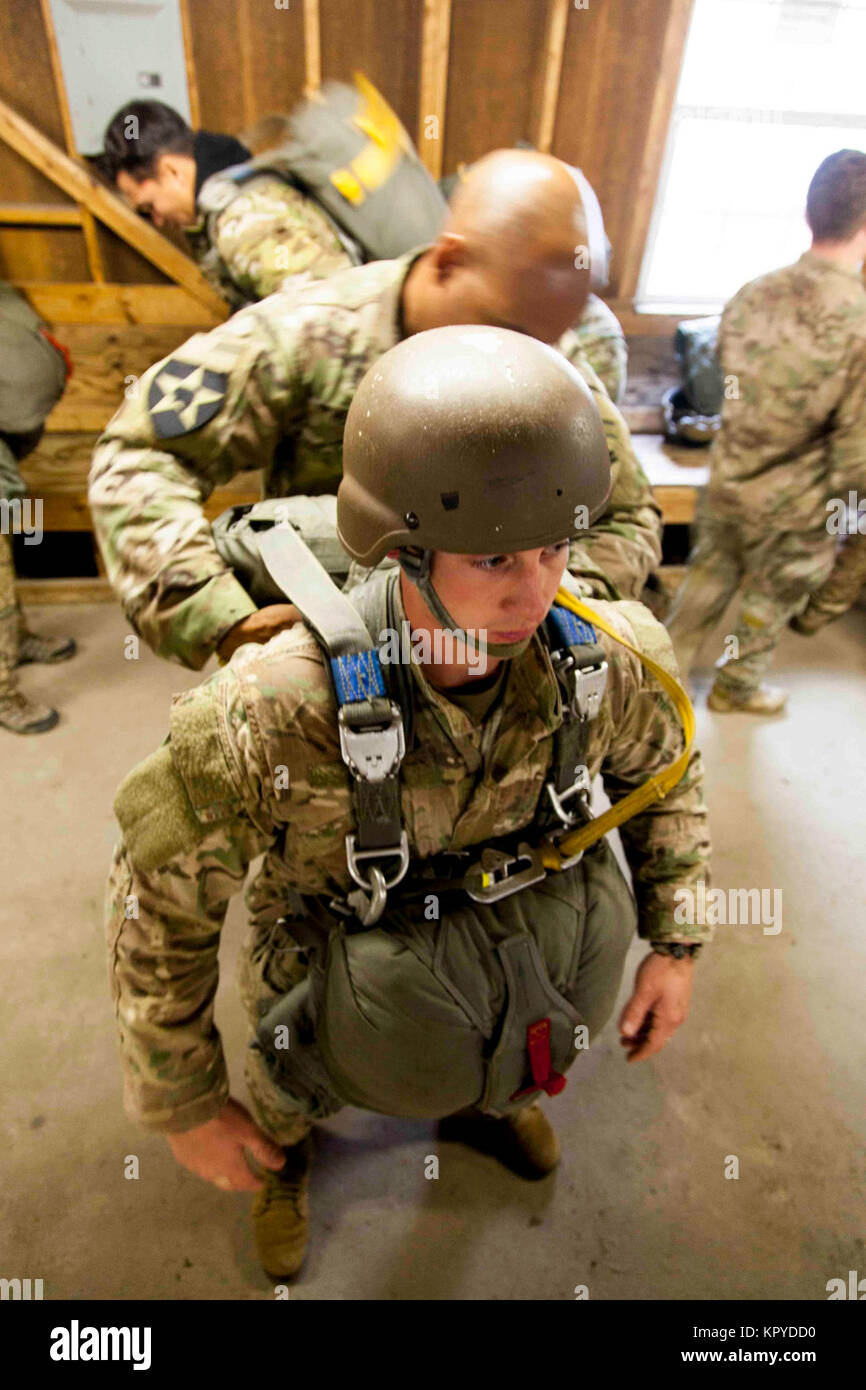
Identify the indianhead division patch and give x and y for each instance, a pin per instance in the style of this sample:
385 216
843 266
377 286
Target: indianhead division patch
183 397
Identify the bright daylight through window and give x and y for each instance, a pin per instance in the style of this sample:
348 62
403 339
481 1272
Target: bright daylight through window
768 89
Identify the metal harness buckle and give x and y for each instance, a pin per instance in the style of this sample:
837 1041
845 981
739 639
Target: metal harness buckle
374 752
497 881
369 904
590 683
581 786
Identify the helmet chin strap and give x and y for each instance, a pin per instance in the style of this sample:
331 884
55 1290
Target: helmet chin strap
417 568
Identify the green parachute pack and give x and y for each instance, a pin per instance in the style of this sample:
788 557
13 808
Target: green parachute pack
349 152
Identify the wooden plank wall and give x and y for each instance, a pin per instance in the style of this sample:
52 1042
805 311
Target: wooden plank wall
594 82
619 65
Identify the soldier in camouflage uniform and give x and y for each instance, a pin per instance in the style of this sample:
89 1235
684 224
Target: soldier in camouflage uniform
271 389
197 811
793 437
33 372
602 341
248 240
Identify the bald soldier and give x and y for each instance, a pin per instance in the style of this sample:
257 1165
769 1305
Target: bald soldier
431 803
598 332
270 389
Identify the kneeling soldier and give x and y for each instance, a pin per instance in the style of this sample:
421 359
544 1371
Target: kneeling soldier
440 926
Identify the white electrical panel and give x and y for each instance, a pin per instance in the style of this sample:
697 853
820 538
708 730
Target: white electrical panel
115 51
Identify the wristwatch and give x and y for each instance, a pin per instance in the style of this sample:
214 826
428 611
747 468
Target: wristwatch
678 949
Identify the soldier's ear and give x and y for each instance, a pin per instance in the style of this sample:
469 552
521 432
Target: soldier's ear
449 252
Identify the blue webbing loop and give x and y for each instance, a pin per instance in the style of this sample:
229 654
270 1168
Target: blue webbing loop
572 629
358 676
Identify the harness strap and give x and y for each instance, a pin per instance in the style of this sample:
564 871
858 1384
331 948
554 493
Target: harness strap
372 741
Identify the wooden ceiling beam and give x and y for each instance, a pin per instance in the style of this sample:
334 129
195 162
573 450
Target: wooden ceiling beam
40 215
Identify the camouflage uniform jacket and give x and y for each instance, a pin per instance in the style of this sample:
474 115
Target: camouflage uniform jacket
252 764
601 340
271 388
794 433
253 236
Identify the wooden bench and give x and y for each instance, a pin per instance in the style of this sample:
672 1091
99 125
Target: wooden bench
676 474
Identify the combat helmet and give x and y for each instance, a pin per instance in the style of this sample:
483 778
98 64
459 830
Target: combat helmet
473 440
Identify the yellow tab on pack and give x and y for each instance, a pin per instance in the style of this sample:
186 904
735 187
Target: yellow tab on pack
386 139
345 182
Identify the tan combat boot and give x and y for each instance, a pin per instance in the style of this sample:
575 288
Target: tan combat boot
808 622
21 716
45 649
767 699
525 1142
281 1213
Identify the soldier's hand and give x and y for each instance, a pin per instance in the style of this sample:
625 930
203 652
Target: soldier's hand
259 627
215 1151
659 1004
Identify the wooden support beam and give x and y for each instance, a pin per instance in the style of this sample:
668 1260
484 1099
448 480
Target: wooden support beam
42 591
40 215
245 48
435 38
644 193
312 48
554 46
91 240
83 187
145 304
189 60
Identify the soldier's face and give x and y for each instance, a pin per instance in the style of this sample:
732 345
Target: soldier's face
167 199
506 595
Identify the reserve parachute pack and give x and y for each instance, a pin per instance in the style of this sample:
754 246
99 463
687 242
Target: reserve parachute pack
451 981
693 411
349 152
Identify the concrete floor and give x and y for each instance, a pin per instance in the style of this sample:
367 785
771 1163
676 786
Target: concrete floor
769 1067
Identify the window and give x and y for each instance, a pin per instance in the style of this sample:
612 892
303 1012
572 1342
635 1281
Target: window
768 89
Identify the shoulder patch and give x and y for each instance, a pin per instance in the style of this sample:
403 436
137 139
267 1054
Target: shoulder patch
188 388
184 397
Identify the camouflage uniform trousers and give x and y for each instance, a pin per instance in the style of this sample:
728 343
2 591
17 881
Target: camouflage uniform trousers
773 570
11 619
837 594
271 964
